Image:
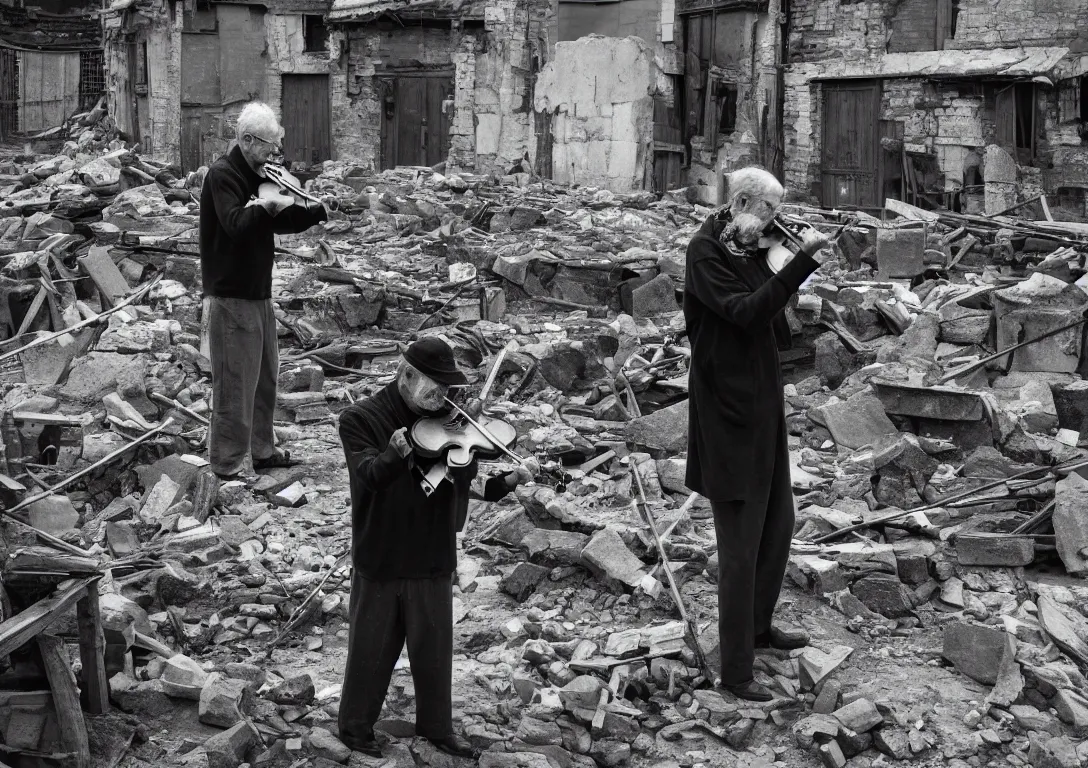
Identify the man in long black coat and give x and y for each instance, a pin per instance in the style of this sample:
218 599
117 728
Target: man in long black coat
404 551
735 291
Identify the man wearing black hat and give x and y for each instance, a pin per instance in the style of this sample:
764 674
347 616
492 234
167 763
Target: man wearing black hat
404 551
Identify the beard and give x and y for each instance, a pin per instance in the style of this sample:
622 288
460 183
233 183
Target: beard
749 228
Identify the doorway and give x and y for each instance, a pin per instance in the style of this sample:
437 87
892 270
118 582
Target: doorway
307 122
848 167
416 114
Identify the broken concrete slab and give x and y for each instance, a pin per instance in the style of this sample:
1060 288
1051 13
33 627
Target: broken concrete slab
663 433
222 700
1068 630
1070 520
608 554
974 650
54 514
857 421
1010 680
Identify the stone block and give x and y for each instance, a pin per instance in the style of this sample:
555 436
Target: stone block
183 678
608 554
900 252
1071 523
663 433
657 297
860 715
325 745
523 580
994 550
974 650
223 700
885 594
294 691
54 515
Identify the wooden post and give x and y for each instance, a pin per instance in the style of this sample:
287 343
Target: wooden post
73 731
92 650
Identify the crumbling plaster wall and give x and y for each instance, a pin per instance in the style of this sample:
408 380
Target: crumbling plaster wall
373 53
492 125
600 93
946 120
286 47
158 114
754 71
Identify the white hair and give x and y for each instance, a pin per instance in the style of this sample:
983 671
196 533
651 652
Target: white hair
258 119
754 182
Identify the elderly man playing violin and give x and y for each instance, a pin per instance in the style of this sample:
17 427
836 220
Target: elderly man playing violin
237 247
404 550
739 278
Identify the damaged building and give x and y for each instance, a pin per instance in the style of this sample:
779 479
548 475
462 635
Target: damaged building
962 104
180 71
436 81
51 64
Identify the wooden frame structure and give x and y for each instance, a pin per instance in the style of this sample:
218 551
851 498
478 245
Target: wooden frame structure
70 701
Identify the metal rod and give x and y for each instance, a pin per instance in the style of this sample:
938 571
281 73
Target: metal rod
943 502
963 370
647 515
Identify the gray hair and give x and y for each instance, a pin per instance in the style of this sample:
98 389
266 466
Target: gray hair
258 119
754 182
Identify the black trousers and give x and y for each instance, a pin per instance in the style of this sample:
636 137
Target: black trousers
385 614
753 551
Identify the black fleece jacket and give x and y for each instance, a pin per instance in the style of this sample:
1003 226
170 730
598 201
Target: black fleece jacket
398 532
237 247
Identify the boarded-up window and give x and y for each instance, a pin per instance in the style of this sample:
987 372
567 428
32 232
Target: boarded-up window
1018 126
48 89
921 25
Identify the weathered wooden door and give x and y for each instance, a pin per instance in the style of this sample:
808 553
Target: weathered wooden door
415 127
192 138
307 119
850 157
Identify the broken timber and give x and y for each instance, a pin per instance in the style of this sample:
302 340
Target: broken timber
689 623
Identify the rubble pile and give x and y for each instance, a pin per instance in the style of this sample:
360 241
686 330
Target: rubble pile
933 484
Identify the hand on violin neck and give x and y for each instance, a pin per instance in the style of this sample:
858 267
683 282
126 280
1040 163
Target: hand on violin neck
398 441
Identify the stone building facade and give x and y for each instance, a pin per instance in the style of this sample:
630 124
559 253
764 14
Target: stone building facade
973 105
179 72
432 82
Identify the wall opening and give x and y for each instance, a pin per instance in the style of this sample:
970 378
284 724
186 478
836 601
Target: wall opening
726 96
92 78
9 93
315 34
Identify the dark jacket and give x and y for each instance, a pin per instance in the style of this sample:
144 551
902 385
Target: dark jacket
237 246
398 532
732 305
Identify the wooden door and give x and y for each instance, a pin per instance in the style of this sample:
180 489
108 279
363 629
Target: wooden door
192 140
307 119
415 128
48 89
850 157
9 93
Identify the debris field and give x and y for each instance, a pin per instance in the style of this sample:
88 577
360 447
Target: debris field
942 527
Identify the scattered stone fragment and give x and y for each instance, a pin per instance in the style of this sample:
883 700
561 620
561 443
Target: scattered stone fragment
974 650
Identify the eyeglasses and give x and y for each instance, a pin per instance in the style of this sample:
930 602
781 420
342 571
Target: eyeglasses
276 146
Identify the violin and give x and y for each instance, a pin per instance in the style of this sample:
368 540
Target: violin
460 438
284 188
785 231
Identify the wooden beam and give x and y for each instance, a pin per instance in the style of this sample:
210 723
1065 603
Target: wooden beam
23 627
73 731
95 690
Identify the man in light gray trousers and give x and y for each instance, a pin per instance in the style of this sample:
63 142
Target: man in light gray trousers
237 249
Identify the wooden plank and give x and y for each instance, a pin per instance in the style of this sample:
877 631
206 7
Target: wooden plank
73 731
92 651
32 313
105 274
24 627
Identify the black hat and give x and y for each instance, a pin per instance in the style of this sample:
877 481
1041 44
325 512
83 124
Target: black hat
433 358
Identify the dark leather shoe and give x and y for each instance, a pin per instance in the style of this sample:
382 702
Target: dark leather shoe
368 747
456 746
783 639
750 691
